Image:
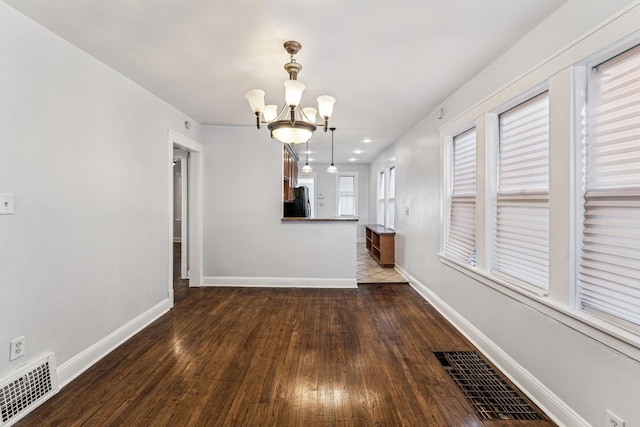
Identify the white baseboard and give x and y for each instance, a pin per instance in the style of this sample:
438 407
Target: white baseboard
280 282
70 369
550 403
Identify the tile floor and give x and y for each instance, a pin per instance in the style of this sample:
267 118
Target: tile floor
369 271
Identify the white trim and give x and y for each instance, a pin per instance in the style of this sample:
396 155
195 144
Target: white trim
280 282
559 411
82 361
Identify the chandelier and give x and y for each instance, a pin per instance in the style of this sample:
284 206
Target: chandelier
292 124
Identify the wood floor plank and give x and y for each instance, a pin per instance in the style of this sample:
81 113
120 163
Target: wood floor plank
277 357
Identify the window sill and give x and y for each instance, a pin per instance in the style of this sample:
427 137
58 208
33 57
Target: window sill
612 336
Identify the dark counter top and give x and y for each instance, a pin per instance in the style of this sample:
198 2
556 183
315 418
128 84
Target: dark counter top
303 219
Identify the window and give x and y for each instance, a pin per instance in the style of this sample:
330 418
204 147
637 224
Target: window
522 211
609 270
381 198
347 194
460 240
391 200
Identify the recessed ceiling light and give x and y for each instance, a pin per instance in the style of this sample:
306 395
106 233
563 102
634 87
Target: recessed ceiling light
357 151
353 159
311 160
366 140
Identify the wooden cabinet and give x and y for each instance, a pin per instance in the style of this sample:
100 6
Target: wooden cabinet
381 244
290 173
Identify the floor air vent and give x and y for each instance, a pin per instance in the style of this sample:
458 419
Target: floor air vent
24 391
490 395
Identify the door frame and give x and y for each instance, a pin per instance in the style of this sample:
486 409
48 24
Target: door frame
194 209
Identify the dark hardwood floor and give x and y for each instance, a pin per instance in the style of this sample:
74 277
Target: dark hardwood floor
276 357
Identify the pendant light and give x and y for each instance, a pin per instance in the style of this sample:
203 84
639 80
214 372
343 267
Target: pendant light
306 168
332 168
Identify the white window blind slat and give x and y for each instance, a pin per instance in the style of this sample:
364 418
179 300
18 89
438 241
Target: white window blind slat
522 208
608 283
346 195
460 243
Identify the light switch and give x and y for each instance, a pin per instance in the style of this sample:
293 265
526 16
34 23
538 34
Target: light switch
6 204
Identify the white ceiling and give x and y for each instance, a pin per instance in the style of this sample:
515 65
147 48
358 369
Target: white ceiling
388 63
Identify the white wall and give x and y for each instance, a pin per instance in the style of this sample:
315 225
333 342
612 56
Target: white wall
245 241
84 150
549 358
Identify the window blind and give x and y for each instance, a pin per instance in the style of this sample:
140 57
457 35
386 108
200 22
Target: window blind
391 205
346 196
522 211
609 271
461 234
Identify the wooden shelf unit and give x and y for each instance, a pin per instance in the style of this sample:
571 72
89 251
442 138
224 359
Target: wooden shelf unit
380 243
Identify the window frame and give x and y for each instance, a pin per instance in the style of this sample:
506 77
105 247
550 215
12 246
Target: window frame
449 171
584 76
524 197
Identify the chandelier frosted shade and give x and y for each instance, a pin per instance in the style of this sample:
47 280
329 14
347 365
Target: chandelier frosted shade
310 114
291 133
270 113
256 100
325 106
293 92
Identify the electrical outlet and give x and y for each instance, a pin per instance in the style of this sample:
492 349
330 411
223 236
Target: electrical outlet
613 420
6 204
18 348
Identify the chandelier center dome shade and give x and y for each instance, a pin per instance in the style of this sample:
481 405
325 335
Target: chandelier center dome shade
292 124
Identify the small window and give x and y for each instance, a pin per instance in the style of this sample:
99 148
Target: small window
347 194
381 198
460 243
522 211
608 283
391 199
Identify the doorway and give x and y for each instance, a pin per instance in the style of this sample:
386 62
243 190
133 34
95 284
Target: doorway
189 153
180 208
